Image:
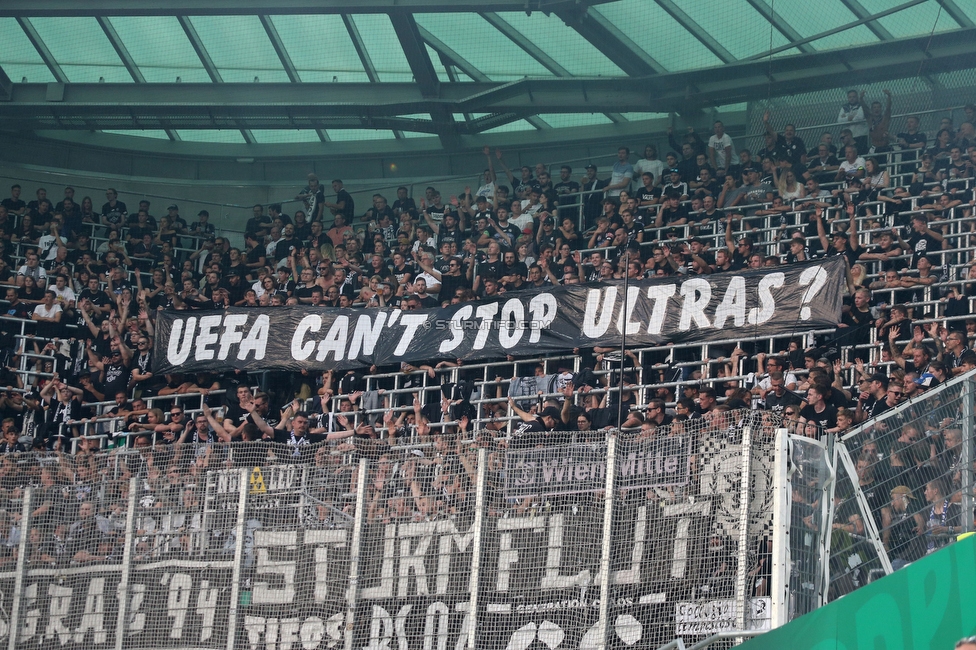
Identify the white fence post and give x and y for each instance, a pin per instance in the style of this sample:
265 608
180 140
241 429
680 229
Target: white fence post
781 561
606 542
14 627
130 524
357 537
235 585
742 591
479 519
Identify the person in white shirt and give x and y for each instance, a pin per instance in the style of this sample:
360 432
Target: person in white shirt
47 245
852 116
63 294
47 315
650 163
32 268
852 166
721 152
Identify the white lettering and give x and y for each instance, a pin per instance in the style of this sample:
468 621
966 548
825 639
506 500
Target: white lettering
697 294
733 303
335 340
257 339
231 334
485 313
457 329
759 315
543 309
660 294
301 349
596 324
510 333
206 337
176 352
366 334
263 593
410 323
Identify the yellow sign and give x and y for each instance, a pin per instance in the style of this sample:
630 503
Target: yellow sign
257 481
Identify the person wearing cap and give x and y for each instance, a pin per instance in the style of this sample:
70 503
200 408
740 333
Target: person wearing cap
675 184
902 527
534 430
840 243
202 226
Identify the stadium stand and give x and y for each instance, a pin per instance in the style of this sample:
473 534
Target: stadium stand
84 284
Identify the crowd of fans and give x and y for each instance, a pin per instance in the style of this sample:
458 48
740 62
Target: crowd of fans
90 281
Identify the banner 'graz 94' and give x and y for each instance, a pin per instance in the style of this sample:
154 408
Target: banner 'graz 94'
776 301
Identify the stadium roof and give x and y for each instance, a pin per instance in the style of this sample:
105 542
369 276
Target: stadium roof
324 71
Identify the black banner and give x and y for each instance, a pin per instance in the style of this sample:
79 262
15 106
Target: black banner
582 468
768 302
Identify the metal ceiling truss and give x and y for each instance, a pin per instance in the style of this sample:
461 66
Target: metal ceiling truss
870 21
128 61
783 27
17 8
611 42
319 105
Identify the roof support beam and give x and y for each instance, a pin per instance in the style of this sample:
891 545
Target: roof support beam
525 44
837 30
956 13
46 56
285 58
449 56
696 30
613 43
197 44
364 58
781 25
279 48
530 48
870 22
127 60
30 8
425 76
6 86
286 105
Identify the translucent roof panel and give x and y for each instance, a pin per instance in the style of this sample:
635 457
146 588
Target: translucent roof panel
481 45
239 48
18 56
518 125
658 34
637 117
160 49
564 44
345 135
81 49
383 47
320 48
827 16
147 133
736 26
221 136
913 21
561 120
279 136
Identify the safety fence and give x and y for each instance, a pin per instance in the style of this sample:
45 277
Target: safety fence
600 541
885 494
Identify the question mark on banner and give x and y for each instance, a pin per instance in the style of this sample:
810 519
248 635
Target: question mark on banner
816 277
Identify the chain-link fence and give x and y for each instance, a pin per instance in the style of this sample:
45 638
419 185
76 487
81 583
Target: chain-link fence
636 539
889 492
